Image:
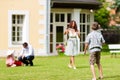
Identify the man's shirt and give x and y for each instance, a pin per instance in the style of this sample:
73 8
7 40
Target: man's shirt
29 51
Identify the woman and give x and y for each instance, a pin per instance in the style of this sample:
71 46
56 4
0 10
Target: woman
72 43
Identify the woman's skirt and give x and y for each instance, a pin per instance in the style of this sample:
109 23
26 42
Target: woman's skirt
71 48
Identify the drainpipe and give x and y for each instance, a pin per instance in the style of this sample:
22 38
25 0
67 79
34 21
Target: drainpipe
48 26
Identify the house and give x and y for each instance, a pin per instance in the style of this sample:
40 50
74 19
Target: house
42 23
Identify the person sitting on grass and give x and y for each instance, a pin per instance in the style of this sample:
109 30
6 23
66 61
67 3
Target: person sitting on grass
27 54
10 60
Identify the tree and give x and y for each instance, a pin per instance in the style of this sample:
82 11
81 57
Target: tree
117 3
102 15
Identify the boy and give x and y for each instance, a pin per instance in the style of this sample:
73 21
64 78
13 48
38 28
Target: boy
94 41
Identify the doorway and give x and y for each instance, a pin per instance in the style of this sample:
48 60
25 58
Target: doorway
59 22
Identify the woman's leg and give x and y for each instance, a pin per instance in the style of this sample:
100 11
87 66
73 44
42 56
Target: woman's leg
73 62
70 60
70 63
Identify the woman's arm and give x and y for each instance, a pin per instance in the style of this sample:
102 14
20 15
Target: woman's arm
78 33
66 32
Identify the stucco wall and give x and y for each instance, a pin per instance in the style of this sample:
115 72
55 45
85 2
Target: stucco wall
33 7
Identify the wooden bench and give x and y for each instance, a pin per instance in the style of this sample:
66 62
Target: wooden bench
114 48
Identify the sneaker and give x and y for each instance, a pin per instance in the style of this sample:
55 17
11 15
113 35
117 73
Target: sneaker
69 66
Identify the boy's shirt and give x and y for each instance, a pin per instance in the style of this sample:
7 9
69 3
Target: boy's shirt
95 41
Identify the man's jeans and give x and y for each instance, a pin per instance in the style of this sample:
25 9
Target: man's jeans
26 60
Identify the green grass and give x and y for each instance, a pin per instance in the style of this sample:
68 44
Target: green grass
55 68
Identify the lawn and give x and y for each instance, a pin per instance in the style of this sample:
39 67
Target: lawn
55 68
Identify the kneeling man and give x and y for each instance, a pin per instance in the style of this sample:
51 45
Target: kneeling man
27 54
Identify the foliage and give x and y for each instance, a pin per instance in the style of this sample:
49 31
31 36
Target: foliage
102 16
102 0
117 3
111 36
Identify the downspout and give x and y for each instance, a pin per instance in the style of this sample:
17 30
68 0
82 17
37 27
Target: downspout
47 27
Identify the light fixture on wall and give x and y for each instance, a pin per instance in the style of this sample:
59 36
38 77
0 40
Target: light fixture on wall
91 10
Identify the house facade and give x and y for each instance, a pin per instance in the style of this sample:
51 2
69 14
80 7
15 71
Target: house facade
42 23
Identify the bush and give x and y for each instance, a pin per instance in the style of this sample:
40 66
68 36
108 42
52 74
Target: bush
111 36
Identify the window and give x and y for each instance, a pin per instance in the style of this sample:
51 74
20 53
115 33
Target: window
18 26
69 17
51 17
59 17
84 28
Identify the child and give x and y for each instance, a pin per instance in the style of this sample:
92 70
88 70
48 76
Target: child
94 40
10 60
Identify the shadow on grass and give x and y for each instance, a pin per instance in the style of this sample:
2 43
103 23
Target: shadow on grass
114 76
82 67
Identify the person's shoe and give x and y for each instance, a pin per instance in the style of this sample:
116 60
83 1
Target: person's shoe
93 79
69 66
26 64
100 77
74 67
31 64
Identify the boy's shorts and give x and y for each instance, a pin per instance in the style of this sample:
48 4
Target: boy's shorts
95 58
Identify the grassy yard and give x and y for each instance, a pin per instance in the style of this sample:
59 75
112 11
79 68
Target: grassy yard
55 68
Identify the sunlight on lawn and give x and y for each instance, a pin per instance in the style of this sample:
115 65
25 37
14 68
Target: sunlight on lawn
55 68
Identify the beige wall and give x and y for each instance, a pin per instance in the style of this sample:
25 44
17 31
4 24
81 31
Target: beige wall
34 27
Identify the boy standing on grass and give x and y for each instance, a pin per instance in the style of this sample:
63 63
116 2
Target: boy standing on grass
94 41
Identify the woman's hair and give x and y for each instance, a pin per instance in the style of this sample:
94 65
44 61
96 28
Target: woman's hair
75 25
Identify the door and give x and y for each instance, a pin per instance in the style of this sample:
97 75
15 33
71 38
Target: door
59 22
85 20
59 34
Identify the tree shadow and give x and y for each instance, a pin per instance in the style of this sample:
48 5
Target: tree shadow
114 76
82 67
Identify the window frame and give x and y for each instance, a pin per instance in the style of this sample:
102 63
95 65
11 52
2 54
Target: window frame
25 30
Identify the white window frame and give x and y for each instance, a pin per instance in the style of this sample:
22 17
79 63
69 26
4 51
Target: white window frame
85 23
25 34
